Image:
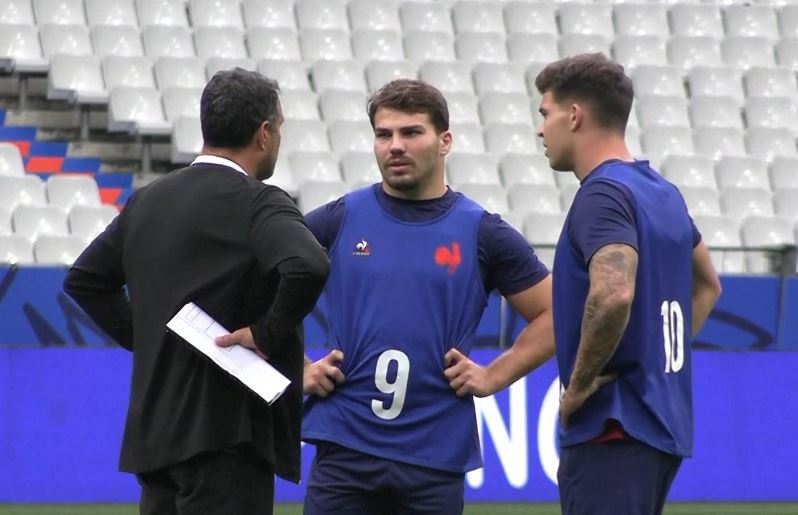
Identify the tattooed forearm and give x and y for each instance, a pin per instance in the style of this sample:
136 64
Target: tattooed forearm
612 283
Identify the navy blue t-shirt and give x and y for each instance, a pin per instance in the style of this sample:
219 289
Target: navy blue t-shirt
506 260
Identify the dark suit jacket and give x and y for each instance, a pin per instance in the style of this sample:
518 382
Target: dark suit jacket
241 251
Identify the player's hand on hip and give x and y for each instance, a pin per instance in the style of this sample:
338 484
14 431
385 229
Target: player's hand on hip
572 399
466 377
241 337
321 377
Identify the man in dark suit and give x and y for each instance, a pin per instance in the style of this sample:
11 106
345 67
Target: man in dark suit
213 234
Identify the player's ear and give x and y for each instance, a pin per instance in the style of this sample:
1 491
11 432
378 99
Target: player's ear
446 142
576 116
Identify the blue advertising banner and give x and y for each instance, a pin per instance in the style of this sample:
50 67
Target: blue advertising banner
62 412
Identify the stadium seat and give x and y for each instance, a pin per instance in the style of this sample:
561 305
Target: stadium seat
689 170
768 144
715 112
59 12
574 44
343 105
499 78
768 232
338 75
782 173
16 12
423 46
11 164
273 14
567 195
632 139
506 138
374 15
450 77
314 166
742 172
787 52
718 142
186 140
587 19
215 13
687 52
696 20
718 232
658 80
425 17
785 202
179 72
379 73
350 136
137 111
315 194
633 51
65 191
470 169
359 168
16 250
535 198
57 250
525 169
170 13
329 44
65 39
525 48
530 18
716 81
467 138
508 108
463 107
181 103
131 72
492 198
772 113
27 189
658 142
741 203
662 111
299 105
543 232
31 221
5 222
278 44
770 82
76 78
117 40
21 50
377 45
471 16
481 47
168 41
788 21
220 42
641 20
304 135
322 14
289 74
701 201
751 21
743 52
217 64
86 222
111 12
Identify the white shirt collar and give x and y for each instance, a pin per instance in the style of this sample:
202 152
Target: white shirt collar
216 160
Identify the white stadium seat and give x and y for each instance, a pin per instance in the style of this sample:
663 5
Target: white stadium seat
57 250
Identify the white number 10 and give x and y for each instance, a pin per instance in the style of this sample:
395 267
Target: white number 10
673 333
398 388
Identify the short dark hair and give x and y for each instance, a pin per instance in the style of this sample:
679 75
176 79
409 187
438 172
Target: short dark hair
592 78
412 96
234 104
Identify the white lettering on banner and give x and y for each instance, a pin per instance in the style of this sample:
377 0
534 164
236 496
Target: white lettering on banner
511 442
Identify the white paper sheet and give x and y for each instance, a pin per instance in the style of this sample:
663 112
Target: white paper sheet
197 327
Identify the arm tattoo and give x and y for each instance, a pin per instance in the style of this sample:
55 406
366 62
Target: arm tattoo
612 281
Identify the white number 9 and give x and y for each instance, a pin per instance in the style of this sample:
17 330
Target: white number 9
398 388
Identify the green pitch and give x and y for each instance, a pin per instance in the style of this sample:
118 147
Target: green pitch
471 509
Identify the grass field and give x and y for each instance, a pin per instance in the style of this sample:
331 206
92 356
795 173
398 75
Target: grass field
471 509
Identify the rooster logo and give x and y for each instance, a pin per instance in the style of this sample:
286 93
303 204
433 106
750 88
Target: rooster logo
451 258
362 248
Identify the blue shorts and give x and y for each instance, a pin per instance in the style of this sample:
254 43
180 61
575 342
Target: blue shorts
621 476
343 481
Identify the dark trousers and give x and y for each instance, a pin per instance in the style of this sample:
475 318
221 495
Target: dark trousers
346 482
619 477
224 482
